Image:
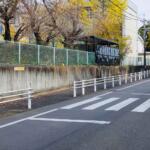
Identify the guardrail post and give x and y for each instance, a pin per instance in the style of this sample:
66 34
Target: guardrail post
135 77
131 78
119 79
147 73
95 88
29 99
105 86
126 78
74 89
144 75
83 88
113 82
139 75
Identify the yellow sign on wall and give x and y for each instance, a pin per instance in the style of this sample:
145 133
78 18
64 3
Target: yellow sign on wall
19 68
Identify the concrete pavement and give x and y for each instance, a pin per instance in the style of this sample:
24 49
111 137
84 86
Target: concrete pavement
113 120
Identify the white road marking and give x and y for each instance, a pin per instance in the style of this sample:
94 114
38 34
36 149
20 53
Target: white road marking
24 119
84 102
100 104
121 105
143 107
127 87
71 120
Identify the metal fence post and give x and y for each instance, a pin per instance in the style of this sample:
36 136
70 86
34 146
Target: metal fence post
54 55
87 55
119 79
19 53
38 54
83 88
113 82
29 99
78 58
67 58
105 86
95 88
74 89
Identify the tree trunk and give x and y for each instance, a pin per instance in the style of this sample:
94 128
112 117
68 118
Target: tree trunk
7 35
38 38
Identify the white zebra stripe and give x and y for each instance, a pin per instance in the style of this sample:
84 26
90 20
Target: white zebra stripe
121 105
143 107
100 104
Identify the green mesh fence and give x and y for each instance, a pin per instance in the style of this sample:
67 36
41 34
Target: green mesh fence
29 54
73 57
45 55
9 53
19 53
60 56
83 58
91 58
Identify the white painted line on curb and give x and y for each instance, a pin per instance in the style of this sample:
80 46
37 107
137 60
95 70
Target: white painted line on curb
71 120
74 105
24 119
143 107
121 105
127 87
100 104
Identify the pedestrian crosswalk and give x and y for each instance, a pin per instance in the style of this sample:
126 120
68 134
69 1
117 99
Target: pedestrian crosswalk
100 104
121 105
115 104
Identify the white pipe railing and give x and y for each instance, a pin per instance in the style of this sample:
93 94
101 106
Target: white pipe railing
112 80
17 95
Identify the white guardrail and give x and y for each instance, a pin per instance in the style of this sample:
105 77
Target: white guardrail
17 95
112 81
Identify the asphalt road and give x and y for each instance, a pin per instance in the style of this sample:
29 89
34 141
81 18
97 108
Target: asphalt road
112 120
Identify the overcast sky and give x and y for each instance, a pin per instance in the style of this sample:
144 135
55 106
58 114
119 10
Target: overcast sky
143 7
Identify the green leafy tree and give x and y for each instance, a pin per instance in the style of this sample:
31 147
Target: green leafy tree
147 38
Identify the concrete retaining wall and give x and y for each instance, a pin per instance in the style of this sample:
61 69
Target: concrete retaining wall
49 77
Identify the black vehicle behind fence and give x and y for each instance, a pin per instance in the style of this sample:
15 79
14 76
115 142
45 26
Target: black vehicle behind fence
106 52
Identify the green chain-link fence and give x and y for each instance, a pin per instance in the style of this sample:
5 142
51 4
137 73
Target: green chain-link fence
27 54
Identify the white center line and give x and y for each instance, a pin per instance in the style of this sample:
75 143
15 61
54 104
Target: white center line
143 107
71 120
100 104
24 119
84 102
121 105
